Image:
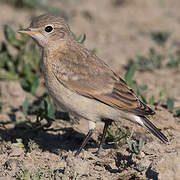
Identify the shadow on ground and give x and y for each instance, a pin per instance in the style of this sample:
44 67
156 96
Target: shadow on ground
47 138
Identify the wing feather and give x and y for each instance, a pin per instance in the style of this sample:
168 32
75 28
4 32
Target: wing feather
91 77
119 96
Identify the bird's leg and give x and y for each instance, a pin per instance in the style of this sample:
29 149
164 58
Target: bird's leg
106 125
92 126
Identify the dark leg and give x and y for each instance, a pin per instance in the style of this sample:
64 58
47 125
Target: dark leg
88 136
106 125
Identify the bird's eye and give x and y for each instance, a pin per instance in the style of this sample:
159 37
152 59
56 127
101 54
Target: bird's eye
48 28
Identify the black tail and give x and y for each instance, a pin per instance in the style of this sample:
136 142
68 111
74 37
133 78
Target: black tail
154 130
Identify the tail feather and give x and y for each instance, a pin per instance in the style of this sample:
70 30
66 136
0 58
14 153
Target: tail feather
153 129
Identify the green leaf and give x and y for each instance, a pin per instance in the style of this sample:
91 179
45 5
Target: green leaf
142 87
77 38
25 84
11 36
50 110
141 143
173 62
129 74
23 63
163 93
80 38
94 51
9 33
27 71
178 112
143 99
0 108
10 67
135 147
130 145
34 85
83 39
8 75
160 37
170 104
25 107
152 100
19 143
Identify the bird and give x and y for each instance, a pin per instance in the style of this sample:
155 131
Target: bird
81 83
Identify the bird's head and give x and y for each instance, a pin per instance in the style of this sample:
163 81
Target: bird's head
48 30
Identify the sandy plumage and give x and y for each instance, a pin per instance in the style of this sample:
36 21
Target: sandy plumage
83 84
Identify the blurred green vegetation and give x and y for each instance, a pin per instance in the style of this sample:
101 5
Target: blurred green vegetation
118 137
80 38
139 89
28 3
157 59
135 147
151 62
22 62
154 60
164 99
160 37
45 5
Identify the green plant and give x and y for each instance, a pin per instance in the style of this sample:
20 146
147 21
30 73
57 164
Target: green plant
43 109
80 38
140 168
0 108
152 100
45 174
32 145
129 75
23 63
156 59
177 112
25 107
117 137
22 174
135 147
160 37
162 93
36 4
173 60
139 89
28 3
19 143
171 108
151 62
170 104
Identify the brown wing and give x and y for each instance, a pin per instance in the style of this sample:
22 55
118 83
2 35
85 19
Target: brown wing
124 98
120 96
89 76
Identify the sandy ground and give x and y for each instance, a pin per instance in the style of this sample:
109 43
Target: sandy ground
118 33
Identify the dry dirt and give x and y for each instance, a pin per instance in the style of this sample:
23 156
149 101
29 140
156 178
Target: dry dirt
118 33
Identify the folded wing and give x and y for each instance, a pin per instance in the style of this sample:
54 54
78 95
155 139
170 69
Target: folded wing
94 79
